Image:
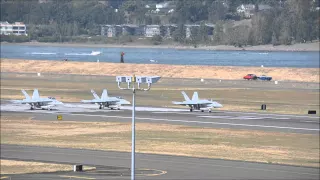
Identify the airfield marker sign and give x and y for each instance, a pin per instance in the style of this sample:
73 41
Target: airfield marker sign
59 117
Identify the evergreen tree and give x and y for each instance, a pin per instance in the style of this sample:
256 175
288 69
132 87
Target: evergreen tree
203 33
274 40
218 33
179 34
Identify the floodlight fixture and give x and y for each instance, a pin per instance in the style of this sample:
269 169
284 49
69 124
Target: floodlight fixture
121 79
131 80
141 79
153 79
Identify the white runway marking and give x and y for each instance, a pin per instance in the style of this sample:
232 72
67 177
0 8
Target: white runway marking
201 122
264 115
181 112
309 121
218 117
278 118
241 117
280 115
247 117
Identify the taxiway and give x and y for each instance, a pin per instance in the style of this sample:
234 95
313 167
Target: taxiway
114 165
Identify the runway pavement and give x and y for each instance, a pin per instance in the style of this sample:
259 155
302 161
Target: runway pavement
216 119
116 165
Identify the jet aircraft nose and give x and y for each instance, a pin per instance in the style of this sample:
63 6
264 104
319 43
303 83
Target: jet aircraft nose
123 101
217 105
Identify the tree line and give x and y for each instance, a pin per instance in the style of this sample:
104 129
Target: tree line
288 21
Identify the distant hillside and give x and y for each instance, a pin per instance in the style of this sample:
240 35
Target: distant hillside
237 22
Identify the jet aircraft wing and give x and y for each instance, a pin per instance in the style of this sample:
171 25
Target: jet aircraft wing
35 101
190 103
179 103
99 101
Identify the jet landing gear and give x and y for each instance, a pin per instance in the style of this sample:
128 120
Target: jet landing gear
201 110
100 107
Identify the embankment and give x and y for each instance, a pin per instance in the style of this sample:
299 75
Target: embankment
173 71
314 46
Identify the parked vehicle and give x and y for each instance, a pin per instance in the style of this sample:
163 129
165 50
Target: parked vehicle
250 77
265 78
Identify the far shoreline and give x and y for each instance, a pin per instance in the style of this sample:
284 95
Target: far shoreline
301 47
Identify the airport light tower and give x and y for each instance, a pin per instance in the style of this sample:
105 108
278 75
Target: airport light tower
131 80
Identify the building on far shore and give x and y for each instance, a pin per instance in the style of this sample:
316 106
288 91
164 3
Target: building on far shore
168 29
189 28
124 29
148 31
152 30
18 28
111 30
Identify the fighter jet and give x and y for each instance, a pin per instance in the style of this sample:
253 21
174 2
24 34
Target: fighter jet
37 102
106 101
198 104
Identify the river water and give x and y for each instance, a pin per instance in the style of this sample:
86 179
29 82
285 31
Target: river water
163 56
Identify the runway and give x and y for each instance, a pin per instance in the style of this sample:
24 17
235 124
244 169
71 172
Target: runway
149 166
216 119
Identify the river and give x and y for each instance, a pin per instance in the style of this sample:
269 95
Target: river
163 56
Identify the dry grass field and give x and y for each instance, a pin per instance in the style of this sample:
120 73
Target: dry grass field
22 167
296 98
253 145
172 71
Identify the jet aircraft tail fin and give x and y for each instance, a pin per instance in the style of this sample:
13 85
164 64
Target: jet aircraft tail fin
95 95
186 97
195 96
35 94
104 94
25 94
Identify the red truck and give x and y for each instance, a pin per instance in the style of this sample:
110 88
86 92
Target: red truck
250 77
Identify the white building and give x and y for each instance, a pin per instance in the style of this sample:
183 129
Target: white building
246 10
152 30
18 28
189 28
162 5
111 30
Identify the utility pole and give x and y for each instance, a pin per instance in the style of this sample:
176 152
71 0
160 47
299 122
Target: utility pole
132 80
